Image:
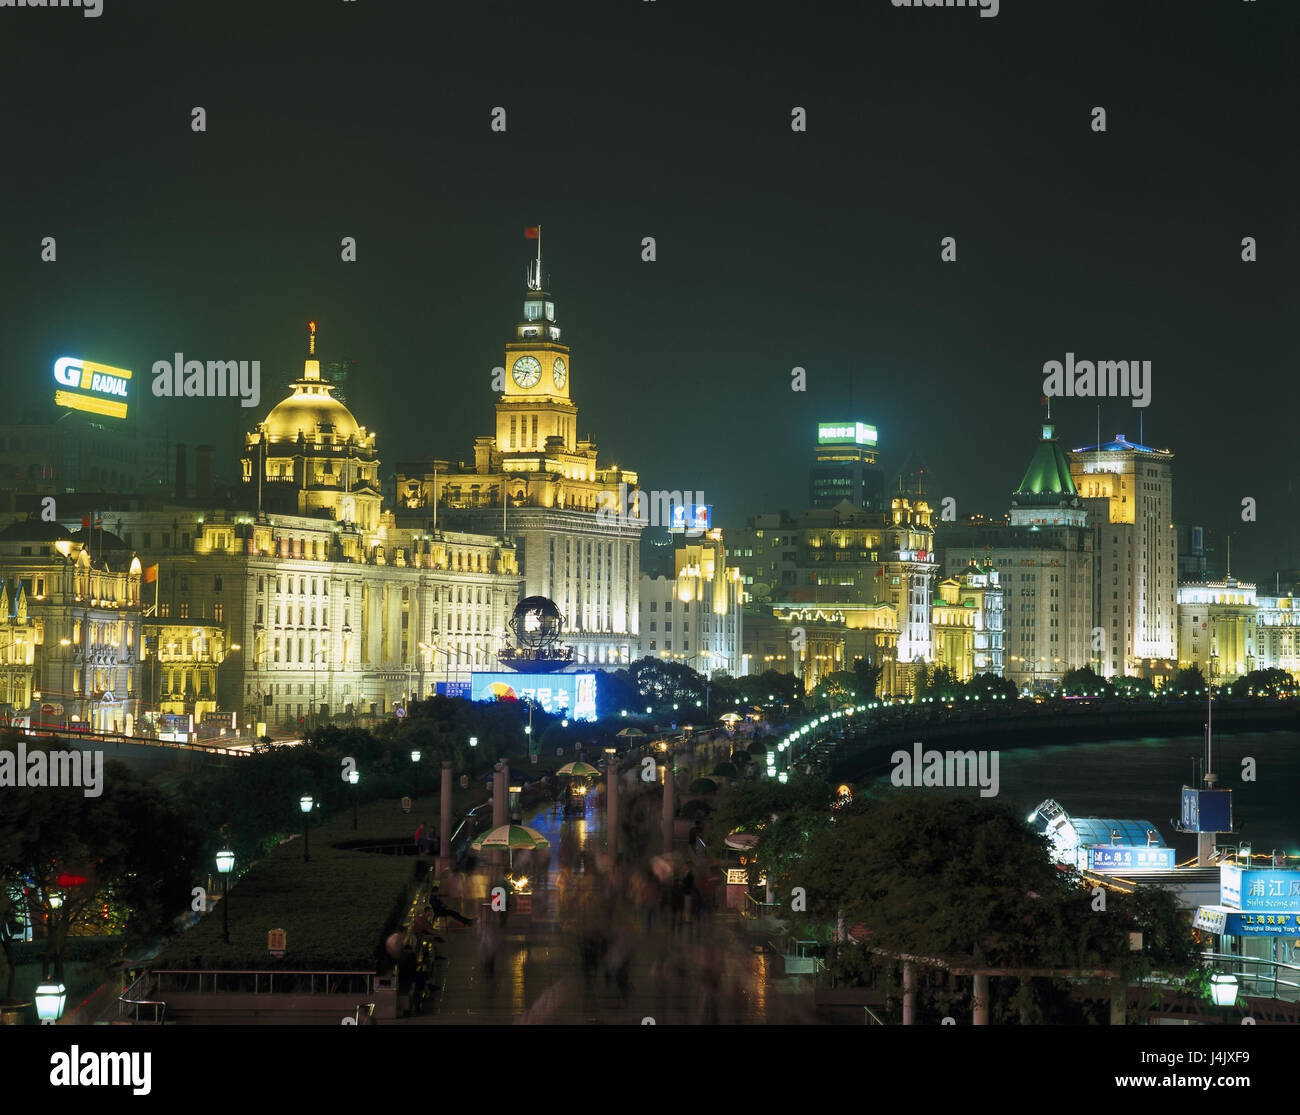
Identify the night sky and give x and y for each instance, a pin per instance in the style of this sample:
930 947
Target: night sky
634 118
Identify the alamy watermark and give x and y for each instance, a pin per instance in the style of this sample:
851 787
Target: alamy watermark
1107 379
946 768
91 9
20 769
678 510
988 8
218 379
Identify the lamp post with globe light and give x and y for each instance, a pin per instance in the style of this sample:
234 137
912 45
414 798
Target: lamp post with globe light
354 777
225 864
305 804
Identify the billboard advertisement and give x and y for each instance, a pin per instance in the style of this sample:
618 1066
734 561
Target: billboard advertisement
845 433
571 695
92 387
691 516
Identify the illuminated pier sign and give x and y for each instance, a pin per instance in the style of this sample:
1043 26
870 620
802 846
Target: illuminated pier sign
92 387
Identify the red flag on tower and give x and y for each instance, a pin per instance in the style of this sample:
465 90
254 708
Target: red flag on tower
532 233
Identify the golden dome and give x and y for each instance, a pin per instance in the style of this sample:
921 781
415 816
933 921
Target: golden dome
311 410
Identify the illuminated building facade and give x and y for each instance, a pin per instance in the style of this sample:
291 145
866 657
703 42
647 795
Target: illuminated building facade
538 483
843 555
328 609
309 456
1044 561
811 642
83 606
846 467
696 615
967 621
1277 634
1217 629
1128 491
181 659
17 651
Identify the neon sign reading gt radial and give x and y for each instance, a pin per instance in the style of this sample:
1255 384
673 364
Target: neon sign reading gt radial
97 388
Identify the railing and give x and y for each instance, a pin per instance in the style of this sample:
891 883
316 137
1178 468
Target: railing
872 1019
132 998
254 982
120 737
759 910
1265 980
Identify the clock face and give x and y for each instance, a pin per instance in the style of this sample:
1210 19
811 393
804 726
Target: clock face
559 372
527 371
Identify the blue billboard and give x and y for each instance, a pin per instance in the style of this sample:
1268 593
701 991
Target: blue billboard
569 695
1263 925
1111 857
454 689
691 516
1207 810
1263 890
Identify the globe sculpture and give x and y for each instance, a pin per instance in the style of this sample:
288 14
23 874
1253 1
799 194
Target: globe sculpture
537 625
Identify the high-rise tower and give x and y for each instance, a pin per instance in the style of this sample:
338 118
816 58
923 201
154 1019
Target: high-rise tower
1128 491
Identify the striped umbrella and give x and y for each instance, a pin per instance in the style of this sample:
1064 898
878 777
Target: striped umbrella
579 769
511 837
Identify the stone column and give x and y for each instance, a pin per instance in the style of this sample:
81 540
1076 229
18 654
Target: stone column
611 805
444 820
1117 997
909 993
980 999
500 806
670 804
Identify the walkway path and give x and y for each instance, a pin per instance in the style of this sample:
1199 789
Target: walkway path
636 968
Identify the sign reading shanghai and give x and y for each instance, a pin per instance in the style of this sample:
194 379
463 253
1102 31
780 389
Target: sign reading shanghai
92 387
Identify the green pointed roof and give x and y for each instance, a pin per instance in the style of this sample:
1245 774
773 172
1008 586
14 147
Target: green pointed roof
1049 471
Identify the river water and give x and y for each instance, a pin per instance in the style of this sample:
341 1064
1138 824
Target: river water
1141 779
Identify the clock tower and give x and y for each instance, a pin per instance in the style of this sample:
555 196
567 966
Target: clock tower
535 404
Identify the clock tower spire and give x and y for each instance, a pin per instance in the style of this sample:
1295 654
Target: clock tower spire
534 406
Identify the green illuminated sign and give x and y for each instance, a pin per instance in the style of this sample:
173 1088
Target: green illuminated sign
845 433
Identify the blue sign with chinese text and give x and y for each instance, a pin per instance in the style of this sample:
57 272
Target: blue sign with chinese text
1268 890
1263 925
1110 857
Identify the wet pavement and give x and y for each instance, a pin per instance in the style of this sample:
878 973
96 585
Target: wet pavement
597 950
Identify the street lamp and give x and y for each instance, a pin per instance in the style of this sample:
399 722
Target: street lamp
354 776
305 804
225 864
473 741
1223 989
50 999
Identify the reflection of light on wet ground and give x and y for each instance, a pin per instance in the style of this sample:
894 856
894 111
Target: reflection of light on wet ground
518 987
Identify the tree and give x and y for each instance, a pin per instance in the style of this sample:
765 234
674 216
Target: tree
988 687
1135 689
1084 681
1262 683
867 674
1188 682
838 686
131 846
940 684
963 879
